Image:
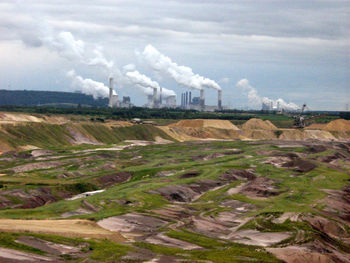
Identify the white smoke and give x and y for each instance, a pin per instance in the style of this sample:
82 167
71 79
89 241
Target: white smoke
146 84
89 86
256 100
100 59
65 45
181 74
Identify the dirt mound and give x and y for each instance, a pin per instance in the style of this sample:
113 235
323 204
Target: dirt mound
8 255
338 204
232 175
260 187
111 179
300 165
132 222
203 123
259 134
332 157
316 148
191 192
194 133
338 125
258 124
6 117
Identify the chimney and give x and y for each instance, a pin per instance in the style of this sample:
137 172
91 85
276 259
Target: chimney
186 101
219 99
110 103
190 99
160 96
202 102
154 97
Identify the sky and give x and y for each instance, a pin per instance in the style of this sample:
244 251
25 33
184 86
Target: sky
298 51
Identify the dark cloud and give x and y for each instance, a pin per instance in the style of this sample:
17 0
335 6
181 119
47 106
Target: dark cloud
220 39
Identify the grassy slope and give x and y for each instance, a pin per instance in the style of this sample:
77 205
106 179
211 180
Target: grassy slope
46 135
302 192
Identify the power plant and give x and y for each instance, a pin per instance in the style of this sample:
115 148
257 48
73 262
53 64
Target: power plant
156 98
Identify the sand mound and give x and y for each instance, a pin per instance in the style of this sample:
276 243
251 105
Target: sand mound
257 124
191 134
203 123
6 117
338 125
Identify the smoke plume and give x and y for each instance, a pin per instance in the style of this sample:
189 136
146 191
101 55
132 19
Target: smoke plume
181 74
146 84
65 45
89 86
100 59
256 100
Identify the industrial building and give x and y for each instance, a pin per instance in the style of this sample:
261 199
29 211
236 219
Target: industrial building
158 100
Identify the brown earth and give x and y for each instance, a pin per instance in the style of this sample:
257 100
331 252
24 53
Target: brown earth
203 123
31 198
80 138
338 125
8 255
193 134
111 179
133 222
258 124
69 228
300 165
260 187
49 247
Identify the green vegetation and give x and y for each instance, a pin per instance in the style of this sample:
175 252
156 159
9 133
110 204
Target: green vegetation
133 176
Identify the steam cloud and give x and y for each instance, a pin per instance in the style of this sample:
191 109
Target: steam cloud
89 86
181 74
255 99
146 84
65 45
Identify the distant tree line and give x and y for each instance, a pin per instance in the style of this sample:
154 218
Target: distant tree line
100 113
35 98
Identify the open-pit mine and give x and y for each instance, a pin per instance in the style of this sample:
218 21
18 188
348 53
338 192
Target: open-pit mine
74 190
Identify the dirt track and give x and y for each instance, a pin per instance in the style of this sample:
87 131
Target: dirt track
69 228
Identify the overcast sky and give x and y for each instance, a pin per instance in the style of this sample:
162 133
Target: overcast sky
295 50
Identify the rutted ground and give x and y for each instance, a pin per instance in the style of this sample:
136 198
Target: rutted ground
164 201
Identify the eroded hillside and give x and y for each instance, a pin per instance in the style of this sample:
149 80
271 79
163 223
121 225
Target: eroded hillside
117 192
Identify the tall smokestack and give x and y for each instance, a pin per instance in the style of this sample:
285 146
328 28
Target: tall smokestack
190 99
202 102
160 96
154 97
110 103
186 103
219 99
182 99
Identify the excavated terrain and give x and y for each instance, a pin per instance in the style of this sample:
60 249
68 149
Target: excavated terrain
133 193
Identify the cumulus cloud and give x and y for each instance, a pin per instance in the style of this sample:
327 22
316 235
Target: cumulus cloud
181 74
256 100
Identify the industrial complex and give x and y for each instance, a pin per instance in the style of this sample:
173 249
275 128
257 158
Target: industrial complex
157 100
